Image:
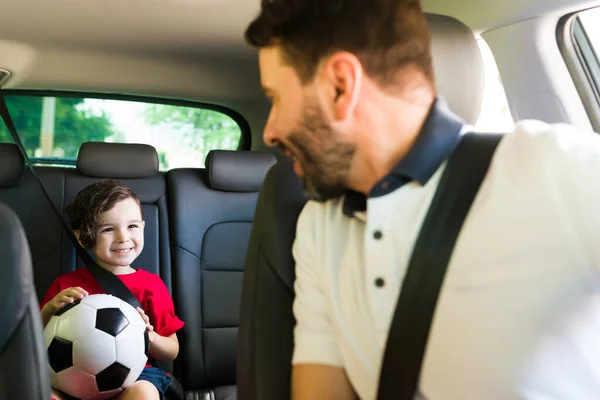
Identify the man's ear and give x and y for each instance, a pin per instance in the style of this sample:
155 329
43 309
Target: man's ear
343 74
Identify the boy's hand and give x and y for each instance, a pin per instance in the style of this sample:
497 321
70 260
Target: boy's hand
65 297
149 327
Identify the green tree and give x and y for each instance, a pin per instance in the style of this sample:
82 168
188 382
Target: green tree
162 160
202 129
73 124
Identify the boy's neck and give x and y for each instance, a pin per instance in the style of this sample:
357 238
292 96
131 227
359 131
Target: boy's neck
117 269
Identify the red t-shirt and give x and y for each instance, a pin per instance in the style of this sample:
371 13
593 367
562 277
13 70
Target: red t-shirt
148 288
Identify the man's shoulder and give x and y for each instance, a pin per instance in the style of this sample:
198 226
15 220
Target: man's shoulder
535 147
541 138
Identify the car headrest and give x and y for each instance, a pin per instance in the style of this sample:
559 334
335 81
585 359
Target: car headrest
457 66
117 160
12 165
17 276
238 171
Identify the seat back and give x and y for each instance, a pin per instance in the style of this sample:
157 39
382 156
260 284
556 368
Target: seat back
52 252
212 213
136 166
22 193
266 319
266 322
23 363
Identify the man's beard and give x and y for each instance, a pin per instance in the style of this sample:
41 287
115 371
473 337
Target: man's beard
324 156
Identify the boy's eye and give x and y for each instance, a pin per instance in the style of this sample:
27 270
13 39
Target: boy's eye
107 230
132 226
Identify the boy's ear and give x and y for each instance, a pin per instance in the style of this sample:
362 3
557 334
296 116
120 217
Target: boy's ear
77 235
143 224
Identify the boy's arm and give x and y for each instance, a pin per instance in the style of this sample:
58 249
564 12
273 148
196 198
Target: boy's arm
163 348
46 308
47 313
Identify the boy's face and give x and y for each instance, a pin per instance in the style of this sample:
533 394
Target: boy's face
120 238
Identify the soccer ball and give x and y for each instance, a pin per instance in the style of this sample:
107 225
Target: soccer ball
96 347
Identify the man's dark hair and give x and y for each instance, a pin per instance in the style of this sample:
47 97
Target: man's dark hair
385 35
97 198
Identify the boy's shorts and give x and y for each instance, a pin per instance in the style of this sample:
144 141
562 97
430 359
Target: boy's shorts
158 378
154 375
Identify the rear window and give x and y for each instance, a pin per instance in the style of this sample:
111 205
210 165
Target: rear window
53 128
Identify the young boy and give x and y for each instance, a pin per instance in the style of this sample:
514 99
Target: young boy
107 218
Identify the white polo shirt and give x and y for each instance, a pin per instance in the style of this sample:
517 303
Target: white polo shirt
519 312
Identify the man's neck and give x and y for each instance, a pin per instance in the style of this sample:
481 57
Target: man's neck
389 132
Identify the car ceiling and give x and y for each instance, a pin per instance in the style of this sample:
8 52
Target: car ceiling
190 49
483 16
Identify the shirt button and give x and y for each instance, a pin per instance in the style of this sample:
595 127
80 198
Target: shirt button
379 282
377 235
385 185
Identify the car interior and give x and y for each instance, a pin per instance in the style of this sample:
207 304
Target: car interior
220 221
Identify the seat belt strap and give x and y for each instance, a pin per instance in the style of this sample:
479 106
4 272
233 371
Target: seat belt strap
411 323
110 283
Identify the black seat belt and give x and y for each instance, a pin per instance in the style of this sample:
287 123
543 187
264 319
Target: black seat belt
410 327
110 283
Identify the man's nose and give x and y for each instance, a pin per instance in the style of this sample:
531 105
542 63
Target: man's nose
269 134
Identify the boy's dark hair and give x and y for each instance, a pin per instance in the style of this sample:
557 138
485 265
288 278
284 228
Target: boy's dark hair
385 35
95 199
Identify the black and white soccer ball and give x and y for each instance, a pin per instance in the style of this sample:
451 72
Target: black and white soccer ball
96 347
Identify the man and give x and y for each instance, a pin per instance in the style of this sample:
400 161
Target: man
354 103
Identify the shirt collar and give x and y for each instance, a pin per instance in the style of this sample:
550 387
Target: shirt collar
439 136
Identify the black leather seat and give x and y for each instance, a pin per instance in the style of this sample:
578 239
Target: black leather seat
266 319
53 254
197 228
20 191
212 211
135 165
266 322
23 365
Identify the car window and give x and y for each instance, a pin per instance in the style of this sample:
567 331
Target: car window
583 60
53 128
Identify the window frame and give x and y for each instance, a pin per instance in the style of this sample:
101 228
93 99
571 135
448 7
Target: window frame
582 63
243 145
